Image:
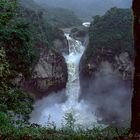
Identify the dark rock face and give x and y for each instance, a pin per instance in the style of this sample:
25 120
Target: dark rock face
122 62
81 34
61 45
60 42
49 74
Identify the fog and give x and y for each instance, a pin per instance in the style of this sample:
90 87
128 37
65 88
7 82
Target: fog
86 8
106 101
110 95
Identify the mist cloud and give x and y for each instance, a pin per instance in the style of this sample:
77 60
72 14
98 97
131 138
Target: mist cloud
110 95
87 8
107 100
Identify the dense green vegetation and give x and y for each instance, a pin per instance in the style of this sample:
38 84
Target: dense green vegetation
109 35
6 11
44 23
113 30
42 133
21 30
14 40
58 17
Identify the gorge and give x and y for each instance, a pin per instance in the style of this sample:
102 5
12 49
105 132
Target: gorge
56 111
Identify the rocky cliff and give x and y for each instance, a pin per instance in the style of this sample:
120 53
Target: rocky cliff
60 43
80 33
49 70
49 74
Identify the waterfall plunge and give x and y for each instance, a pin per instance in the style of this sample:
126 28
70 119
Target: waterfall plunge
52 109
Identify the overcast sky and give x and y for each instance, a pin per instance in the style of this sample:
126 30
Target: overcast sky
87 7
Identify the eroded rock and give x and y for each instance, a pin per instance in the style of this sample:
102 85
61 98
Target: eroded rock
49 74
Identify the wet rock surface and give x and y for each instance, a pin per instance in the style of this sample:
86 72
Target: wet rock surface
49 74
81 34
61 43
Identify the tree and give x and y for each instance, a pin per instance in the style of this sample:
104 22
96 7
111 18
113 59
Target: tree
16 41
135 122
7 8
14 54
12 99
15 38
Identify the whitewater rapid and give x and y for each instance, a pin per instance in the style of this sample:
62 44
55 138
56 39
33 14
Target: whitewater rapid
51 109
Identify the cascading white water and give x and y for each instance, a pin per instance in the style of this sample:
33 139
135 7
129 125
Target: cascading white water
86 24
75 52
80 109
50 107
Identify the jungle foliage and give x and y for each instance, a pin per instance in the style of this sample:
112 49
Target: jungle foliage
14 58
59 17
110 34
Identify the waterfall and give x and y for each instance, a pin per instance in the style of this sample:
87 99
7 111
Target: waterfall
75 52
78 109
86 24
50 109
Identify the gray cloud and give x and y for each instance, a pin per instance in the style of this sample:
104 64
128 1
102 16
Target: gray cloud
87 8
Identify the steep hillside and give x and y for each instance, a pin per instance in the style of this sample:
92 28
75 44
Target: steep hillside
51 40
59 17
110 35
106 68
